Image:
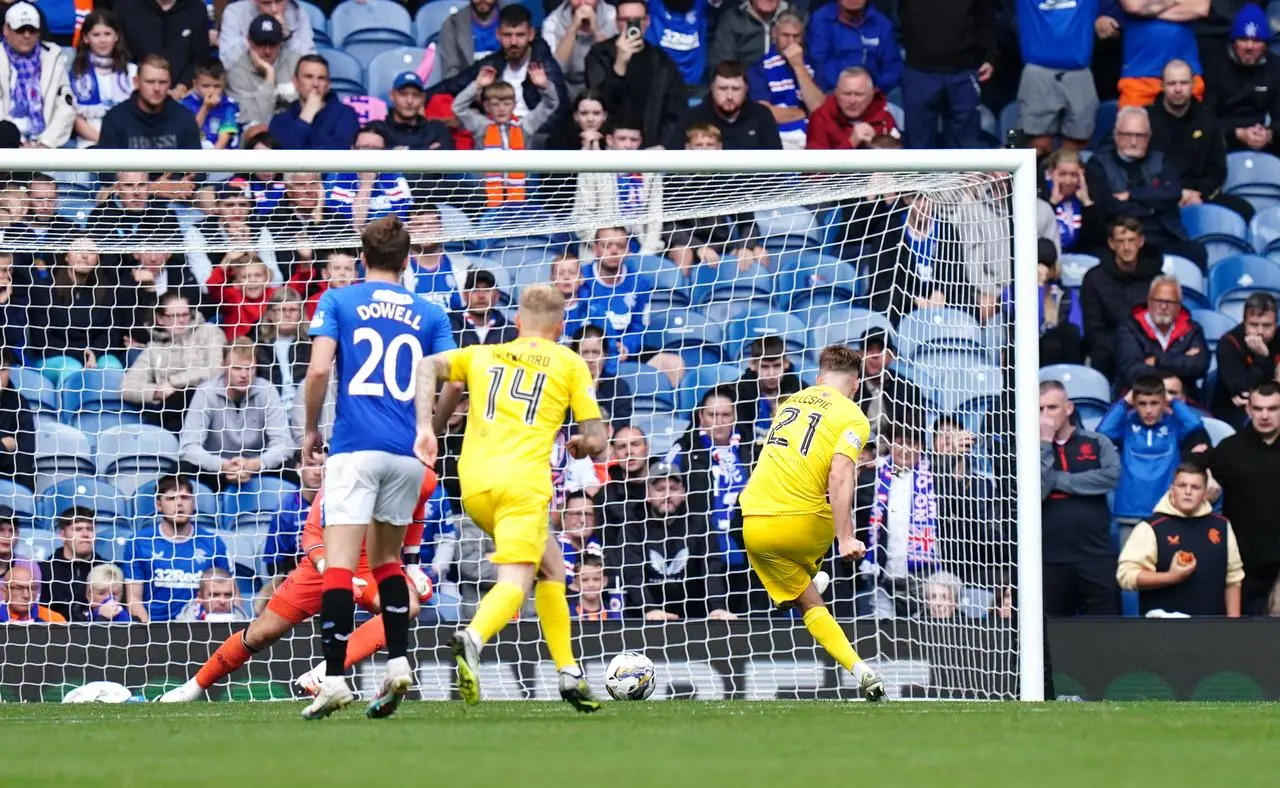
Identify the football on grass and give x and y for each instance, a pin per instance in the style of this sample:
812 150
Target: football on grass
629 676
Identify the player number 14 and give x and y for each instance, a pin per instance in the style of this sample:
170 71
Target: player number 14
788 415
531 396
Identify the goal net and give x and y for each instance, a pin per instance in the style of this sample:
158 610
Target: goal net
155 325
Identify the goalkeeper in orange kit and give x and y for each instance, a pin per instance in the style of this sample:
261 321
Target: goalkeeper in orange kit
298 599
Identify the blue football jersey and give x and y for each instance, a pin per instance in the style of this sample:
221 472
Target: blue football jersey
382 331
170 571
438 522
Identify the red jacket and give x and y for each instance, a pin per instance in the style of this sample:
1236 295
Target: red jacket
829 129
238 314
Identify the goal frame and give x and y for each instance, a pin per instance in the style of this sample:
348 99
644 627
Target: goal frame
1020 164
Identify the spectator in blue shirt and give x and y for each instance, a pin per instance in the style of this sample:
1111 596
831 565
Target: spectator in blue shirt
318 120
439 548
217 114
469 34
849 33
679 27
1153 434
566 276
430 272
361 197
783 81
1056 95
164 562
616 298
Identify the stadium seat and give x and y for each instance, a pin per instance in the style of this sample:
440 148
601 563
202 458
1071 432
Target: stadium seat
700 380
940 328
1195 295
1215 324
93 390
846 325
791 328
144 505
898 114
1104 123
346 74
319 24
387 65
364 20
1088 388
807 279
93 424
1255 177
960 388
1222 231
788 228
1218 430
1010 120
61 451
990 127
727 282
111 543
139 447
38 391
245 548
1232 279
21 500
112 508
1264 231
670 289
649 384
255 502
1074 267
661 429
37 544
432 16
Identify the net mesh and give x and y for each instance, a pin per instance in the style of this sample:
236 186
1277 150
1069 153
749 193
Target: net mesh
118 300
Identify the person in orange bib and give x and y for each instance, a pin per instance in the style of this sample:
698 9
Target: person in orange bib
298 599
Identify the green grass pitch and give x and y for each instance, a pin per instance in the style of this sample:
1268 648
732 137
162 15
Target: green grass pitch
668 744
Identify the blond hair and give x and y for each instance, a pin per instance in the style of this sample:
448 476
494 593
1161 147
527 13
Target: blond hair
106 576
541 306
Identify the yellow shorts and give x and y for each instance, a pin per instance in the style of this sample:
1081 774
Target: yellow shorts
785 551
516 518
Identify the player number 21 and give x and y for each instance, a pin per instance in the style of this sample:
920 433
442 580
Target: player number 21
531 396
389 356
789 415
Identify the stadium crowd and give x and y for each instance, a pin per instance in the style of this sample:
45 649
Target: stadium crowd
1144 113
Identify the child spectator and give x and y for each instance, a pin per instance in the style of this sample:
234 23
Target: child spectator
633 199
611 391
566 277
590 581
216 112
240 286
497 128
17 431
361 197
338 270
1079 220
104 597
101 74
1152 435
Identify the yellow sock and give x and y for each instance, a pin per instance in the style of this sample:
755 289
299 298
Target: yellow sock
830 636
553 614
496 610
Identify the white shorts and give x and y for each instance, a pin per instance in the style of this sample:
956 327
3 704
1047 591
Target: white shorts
363 486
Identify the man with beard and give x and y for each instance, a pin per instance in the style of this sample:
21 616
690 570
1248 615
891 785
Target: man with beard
1246 86
743 124
151 120
628 469
407 129
668 570
1162 335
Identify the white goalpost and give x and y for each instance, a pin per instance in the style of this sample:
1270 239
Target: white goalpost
699 276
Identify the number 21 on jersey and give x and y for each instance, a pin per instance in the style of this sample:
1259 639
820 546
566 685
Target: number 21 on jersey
386 355
785 417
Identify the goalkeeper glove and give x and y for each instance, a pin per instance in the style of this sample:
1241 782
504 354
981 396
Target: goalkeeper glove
420 582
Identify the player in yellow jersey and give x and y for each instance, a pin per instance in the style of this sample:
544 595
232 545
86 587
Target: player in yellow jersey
800 498
520 391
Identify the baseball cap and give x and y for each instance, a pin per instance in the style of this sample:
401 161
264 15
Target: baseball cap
265 29
7 514
22 15
480 278
1250 23
408 79
661 469
234 188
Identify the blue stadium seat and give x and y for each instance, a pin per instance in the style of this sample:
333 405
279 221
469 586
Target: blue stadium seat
1222 231
1088 388
698 340
1104 123
93 390
791 328
110 505
941 328
1255 177
319 24
61 451
93 424
647 384
245 549
1233 279
1215 324
38 391
847 326
1264 230
1074 267
1195 294
661 429
1010 120
1218 430
726 282
990 127
431 17
699 380
346 74
144 504
37 545
670 289
139 447
21 500
255 502
898 114
806 279
961 388
353 22
387 65
112 542
788 228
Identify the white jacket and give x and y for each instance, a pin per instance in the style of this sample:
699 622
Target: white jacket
55 88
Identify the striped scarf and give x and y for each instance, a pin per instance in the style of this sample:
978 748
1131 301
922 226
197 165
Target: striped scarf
26 98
